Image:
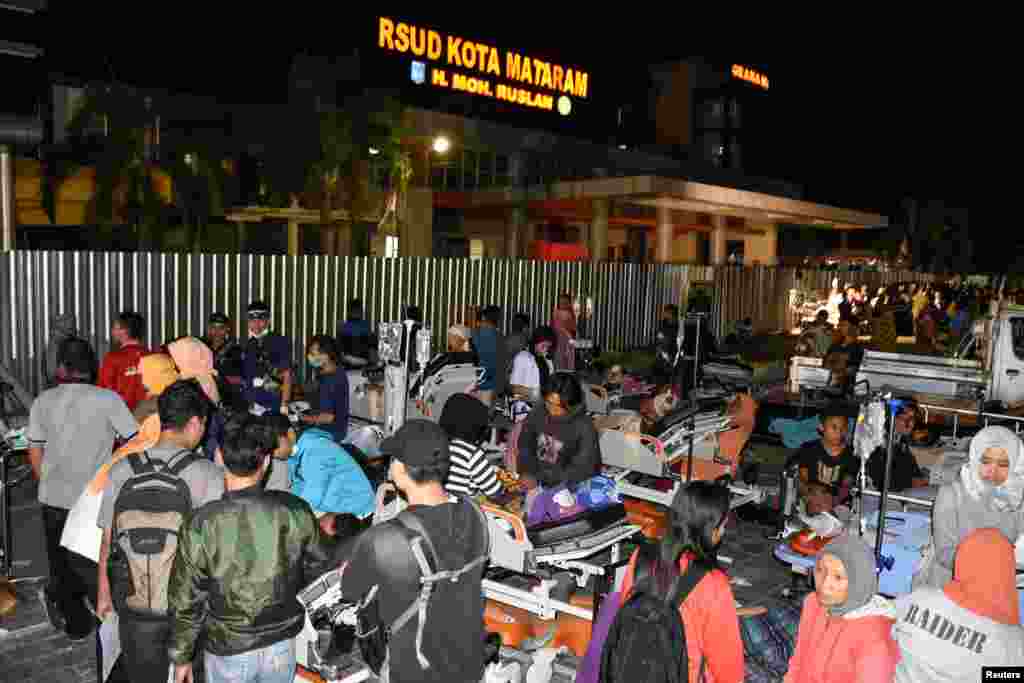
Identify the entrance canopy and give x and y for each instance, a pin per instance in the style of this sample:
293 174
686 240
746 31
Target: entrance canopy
574 199
669 208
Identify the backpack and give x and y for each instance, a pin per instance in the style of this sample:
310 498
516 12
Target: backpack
374 636
148 512
647 640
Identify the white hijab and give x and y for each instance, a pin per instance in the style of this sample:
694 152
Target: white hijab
1009 495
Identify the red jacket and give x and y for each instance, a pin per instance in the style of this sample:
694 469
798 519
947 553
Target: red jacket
712 627
840 650
120 373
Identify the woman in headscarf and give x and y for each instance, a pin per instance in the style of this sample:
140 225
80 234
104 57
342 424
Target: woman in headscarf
987 494
845 628
948 635
563 321
195 361
158 372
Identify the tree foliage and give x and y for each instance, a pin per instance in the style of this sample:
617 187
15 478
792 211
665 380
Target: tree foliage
113 130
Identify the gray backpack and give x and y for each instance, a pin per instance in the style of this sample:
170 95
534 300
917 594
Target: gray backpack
148 513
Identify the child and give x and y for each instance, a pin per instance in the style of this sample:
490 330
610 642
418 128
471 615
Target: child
830 460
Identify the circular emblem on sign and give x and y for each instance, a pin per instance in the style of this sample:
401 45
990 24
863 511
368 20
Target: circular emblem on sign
564 105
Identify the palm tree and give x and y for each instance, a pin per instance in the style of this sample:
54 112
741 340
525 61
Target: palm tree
117 129
326 158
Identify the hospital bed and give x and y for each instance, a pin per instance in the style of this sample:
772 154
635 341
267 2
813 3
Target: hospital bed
699 443
899 525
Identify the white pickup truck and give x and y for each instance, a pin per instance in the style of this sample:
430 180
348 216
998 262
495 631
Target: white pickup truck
996 373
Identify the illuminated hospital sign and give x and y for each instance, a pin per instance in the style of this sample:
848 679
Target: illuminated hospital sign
476 68
750 76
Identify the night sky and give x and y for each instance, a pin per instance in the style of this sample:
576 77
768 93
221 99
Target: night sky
859 122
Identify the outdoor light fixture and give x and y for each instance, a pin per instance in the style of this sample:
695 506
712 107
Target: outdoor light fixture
441 144
623 147
13 49
374 151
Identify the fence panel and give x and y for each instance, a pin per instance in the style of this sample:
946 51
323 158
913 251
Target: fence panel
308 295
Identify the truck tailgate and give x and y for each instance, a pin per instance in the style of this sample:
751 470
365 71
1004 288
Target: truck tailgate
923 374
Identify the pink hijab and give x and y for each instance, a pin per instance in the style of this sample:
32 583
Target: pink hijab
195 361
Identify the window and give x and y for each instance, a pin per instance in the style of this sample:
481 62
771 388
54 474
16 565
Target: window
501 171
1018 337
390 246
485 175
712 147
712 113
735 111
735 156
452 177
469 159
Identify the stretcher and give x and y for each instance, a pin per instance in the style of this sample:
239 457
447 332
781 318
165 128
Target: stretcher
696 446
899 536
586 545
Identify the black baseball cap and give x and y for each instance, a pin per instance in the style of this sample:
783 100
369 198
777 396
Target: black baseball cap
418 442
218 319
259 310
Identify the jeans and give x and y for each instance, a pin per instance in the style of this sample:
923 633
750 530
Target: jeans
272 664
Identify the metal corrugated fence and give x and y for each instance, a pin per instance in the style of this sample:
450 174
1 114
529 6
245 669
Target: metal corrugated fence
308 295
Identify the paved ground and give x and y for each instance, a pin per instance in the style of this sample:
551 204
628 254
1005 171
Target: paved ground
32 652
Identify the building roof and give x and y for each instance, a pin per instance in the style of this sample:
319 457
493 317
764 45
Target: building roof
678 195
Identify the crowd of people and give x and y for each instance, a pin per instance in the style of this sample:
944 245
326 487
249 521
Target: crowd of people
219 506
937 314
194 438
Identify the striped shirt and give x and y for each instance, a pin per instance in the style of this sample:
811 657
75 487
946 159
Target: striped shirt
469 472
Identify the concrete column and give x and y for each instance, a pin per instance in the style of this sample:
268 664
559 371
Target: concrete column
528 235
293 238
663 235
599 230
242 227
8 218
771 243
515 228
637 245
719 256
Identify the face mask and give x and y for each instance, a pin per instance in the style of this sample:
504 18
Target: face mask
315 361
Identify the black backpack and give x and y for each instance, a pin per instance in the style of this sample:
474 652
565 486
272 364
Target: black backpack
372 633
647 640
148 513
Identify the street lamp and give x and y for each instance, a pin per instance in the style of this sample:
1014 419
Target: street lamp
374 151
441 144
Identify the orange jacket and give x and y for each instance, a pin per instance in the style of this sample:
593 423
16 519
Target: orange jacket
840 650
712 627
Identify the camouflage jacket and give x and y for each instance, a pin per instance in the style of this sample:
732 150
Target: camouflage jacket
240 562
